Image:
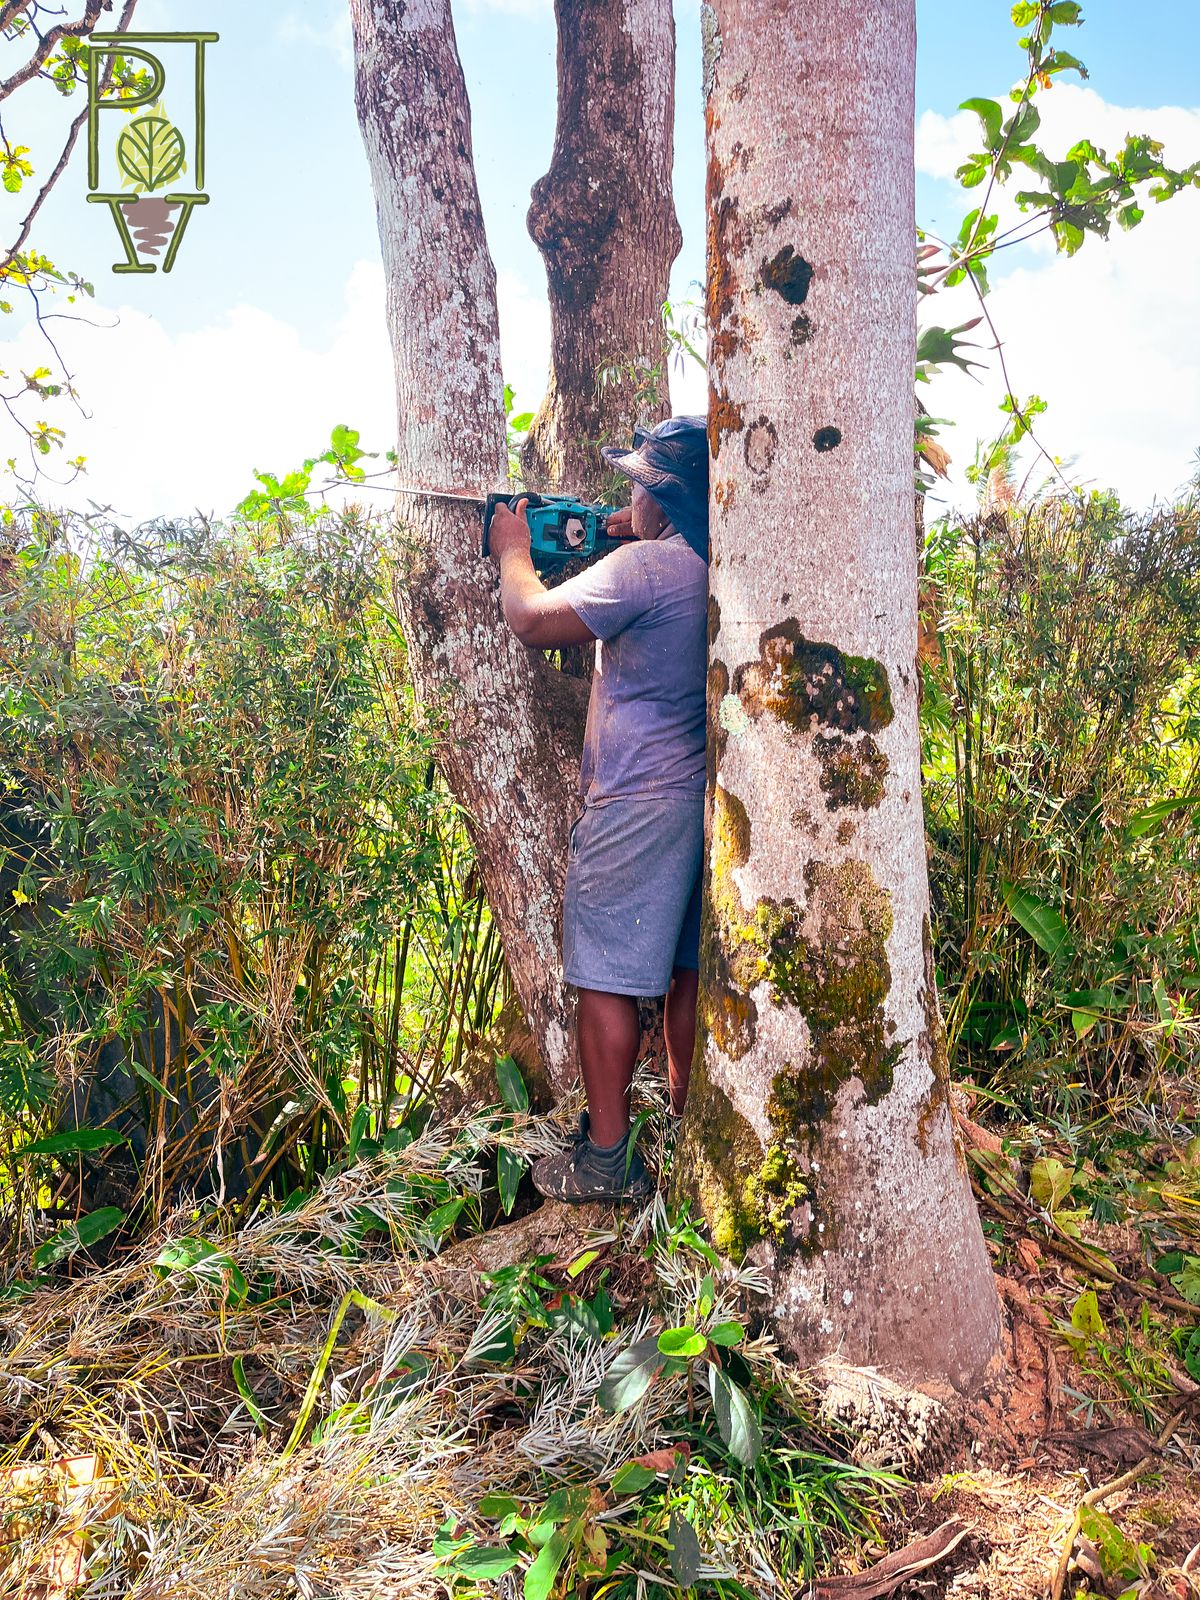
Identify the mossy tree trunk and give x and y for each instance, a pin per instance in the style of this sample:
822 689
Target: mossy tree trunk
818 1135
514 724
604 220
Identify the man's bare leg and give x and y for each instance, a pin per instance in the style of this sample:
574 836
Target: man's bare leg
609 1032
679 1028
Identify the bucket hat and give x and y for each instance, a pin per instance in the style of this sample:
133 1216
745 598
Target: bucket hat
671 461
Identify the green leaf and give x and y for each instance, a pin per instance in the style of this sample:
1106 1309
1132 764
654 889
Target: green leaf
71 1142
736 1418
990 115
79 1235
632 1478
727 1333
257 1415
1050 1182
630 1375
1191 1355
199 1259
1147 821
1187 1280
539 1580
1043 924
1086 1320
681 1342
686 1556
510 1169
483 1561
498 1506
1024 12
512 1085
1118 1555
442 1218
942 346
1026 120
582 1262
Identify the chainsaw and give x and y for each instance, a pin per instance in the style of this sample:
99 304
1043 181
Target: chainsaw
561 529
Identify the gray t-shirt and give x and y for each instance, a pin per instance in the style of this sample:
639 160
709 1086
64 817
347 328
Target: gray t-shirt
648 605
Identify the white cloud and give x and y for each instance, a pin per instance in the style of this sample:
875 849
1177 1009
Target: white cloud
1110 338
1069 112
180 423
337 37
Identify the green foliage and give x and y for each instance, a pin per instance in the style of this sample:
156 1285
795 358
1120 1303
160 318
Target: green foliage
1060 729
1080 195
220 825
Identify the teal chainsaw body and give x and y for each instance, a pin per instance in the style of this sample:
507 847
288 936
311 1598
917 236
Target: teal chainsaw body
560 529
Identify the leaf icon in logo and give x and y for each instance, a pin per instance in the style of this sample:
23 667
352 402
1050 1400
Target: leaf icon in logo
150 152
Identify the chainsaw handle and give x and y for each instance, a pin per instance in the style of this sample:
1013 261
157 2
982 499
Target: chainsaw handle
489 505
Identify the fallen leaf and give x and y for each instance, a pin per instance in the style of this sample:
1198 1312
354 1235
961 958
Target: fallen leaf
894 1569
663 1460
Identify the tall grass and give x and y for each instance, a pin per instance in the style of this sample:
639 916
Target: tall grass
1061 730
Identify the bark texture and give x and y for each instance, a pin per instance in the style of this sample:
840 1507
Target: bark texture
818 1135
604 220
515 724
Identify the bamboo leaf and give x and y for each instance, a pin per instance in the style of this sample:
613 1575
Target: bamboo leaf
539 1580
1044 925
512 1085
77 1236
73 1141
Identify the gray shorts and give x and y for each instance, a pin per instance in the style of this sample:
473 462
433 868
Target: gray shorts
631 908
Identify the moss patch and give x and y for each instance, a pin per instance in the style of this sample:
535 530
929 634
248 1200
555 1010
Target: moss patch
805 682
716 1151
853 771
830 962
728 957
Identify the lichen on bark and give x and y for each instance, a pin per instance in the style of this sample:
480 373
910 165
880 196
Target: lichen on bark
807 683
853 771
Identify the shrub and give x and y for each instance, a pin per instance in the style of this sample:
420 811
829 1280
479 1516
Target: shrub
1060 730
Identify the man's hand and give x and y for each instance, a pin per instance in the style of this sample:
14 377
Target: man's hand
509 530
620 524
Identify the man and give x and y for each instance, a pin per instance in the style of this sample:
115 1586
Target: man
631 907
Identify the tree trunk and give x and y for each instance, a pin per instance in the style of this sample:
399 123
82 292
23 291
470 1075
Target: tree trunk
514 724
604 220
818 1135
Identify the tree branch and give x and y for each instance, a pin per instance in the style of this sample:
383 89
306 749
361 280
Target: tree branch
73 134
47 43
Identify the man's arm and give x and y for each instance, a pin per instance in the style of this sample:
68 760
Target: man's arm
534 613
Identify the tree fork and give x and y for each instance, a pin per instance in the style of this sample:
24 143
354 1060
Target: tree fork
514 725
604 220
818 1136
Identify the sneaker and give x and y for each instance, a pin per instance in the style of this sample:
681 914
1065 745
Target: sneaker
587 1172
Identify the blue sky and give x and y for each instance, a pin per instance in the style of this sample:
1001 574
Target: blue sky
278 269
